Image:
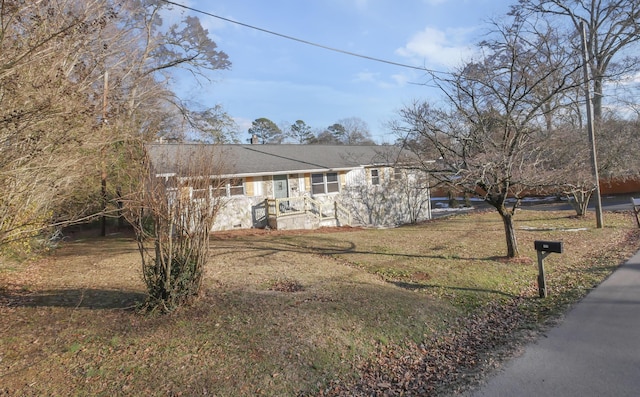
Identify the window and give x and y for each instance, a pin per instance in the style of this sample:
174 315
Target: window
325 183
317 184
375 177
397 173
231 187
236 187
333 186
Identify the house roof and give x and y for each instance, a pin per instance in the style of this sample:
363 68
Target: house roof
253 160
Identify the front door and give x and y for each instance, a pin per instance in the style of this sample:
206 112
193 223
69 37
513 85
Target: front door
280 186
281 190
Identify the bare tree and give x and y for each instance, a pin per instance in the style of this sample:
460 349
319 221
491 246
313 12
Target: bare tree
567 167
414 190
173 215
46 47
487 137
141 99
612 35
352 131
324 137
612 28
63 123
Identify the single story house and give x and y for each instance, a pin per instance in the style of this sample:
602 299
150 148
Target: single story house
289 186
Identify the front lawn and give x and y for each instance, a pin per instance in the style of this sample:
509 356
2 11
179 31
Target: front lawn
419 309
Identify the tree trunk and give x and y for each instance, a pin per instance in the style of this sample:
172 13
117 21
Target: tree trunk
120 205
510 233
597 99
103 184
579 200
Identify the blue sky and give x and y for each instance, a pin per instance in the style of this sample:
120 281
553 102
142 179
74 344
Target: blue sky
286 81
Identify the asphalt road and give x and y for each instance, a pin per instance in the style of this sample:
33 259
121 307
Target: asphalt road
609 203
594 351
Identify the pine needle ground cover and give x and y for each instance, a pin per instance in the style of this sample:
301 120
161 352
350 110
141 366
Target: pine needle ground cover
424 309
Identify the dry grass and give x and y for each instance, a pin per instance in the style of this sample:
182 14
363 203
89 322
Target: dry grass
282 313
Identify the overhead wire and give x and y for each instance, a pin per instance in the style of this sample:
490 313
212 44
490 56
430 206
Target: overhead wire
307 42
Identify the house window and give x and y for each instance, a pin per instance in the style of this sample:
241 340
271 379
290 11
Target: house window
231 187
375 177
317 184
325 183
236 187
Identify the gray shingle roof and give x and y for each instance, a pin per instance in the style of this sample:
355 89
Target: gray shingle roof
247 160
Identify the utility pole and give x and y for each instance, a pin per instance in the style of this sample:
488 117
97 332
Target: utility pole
590 127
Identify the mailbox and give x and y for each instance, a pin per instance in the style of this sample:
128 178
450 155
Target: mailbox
548 246
544 248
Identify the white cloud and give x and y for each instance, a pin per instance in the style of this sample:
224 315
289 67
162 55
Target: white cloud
366 77
400 79
630 79
393 81
442 47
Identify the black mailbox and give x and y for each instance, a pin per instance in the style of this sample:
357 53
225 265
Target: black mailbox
548 246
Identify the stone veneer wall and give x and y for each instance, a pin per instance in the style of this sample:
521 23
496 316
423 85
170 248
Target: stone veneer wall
387 204
241 213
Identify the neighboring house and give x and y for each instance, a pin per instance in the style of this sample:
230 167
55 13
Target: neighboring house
302 186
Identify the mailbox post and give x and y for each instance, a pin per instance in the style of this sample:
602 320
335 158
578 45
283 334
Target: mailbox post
544 248
636 209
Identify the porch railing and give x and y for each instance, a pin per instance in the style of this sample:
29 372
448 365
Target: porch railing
289 206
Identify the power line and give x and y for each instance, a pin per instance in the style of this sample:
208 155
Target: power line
304 41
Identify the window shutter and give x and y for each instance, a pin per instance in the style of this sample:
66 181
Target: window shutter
248 186
307 183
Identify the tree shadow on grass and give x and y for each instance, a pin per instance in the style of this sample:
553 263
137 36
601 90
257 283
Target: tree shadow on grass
420 286
264 248
96 247
88 298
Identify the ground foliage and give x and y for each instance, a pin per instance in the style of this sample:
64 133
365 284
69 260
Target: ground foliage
447 362
407 311
456 359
